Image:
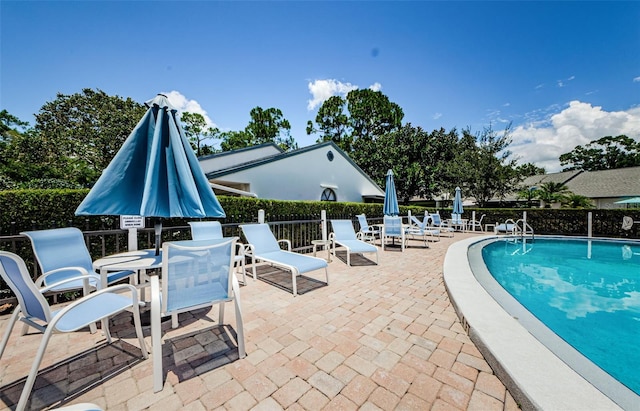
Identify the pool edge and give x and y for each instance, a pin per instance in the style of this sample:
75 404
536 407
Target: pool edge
535 377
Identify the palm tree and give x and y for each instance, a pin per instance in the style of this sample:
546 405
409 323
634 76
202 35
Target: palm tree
577 201
552 192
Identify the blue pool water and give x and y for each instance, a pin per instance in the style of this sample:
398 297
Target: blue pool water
585 291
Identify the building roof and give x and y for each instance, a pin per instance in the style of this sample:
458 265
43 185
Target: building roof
619 182
279 156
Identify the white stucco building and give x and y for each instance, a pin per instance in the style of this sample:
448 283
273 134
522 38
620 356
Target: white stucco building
319 172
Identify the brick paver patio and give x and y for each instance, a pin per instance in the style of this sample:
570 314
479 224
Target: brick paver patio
378 337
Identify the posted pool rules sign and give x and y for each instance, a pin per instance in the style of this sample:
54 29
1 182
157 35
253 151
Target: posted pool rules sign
131 221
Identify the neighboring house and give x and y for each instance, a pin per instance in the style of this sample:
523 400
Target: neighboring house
603 187
319 172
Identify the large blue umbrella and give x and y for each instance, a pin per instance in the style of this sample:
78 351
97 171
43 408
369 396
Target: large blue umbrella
457 202
390 197
154 174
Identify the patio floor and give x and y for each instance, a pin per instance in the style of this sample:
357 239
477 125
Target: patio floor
377 337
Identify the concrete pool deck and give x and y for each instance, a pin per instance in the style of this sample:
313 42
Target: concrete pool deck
377 337
536 377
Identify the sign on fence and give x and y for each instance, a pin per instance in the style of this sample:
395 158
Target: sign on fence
131 221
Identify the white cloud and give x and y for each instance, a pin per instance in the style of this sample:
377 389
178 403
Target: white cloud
321 90
636 80
183 104
542 143
437 116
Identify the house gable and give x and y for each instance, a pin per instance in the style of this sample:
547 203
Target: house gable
301 174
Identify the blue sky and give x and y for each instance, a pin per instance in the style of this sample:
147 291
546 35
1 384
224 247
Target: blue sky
562 73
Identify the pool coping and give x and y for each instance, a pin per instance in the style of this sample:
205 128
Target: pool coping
534 375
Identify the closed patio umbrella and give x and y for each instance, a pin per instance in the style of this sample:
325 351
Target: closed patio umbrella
390 198
154 174
457 202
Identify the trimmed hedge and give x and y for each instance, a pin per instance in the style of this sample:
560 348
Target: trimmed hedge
42 209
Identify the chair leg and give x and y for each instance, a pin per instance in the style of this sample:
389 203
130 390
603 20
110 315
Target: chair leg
7 332
239 323
221 312
28 385
294 274
156 337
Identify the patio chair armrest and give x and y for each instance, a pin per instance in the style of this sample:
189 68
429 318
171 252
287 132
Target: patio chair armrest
249 249
115 289
81 272
287 242
71 279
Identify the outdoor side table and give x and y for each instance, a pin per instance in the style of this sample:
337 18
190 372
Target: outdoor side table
487 226
322 243
138 260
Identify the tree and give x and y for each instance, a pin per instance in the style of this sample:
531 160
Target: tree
195 127
530 169
369 114
417 158
572 200
265 126
372 114
80 133
552 192
482 166
603 154
333 123
270 126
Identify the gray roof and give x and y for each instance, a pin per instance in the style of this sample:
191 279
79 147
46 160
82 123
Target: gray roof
619 182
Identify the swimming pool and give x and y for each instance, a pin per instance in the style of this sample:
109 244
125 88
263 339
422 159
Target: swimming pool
586 291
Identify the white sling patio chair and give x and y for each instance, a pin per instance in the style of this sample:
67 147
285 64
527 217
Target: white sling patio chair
35 312
367 232
393 229
195 274
263 246
344 234
421 229
62 254
206 230
436 222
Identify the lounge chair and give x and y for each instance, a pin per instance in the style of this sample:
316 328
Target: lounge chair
263 246
393 229
436 222
205 230
344 235
421 229
508 227
367 232
195 274
34 311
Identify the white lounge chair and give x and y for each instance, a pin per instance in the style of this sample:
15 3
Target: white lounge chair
436 222
421 229
344 235
263 246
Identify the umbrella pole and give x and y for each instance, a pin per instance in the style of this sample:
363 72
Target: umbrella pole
158 229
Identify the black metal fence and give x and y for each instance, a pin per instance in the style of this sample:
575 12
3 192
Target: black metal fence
301 230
